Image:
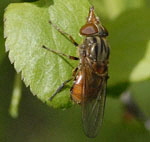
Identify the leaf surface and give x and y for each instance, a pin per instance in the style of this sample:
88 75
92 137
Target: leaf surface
27 29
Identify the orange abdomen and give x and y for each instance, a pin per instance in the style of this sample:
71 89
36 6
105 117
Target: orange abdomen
77 89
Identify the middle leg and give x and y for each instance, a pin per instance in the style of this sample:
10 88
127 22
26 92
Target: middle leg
62 54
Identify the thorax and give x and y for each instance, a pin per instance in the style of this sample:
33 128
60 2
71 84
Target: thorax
95 48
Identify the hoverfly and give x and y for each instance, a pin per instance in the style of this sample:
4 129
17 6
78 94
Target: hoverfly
90 77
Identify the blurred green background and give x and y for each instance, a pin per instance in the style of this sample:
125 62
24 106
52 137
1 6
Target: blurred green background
39 123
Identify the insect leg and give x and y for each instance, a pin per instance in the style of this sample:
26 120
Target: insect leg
62 54
68 36
59 89
63 84
75 72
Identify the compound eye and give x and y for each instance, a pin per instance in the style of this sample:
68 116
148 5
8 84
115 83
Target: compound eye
88 29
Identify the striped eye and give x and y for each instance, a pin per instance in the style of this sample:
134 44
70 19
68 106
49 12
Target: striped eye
88 29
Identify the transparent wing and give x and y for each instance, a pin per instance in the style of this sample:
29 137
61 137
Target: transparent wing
94 95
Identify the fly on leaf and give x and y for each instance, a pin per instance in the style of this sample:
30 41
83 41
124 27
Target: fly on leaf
90 77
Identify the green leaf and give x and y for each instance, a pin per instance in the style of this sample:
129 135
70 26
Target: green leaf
3 4
27 29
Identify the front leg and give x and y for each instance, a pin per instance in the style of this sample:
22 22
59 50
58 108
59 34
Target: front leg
68 36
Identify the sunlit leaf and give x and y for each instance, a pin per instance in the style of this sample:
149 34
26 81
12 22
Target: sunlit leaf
27 29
